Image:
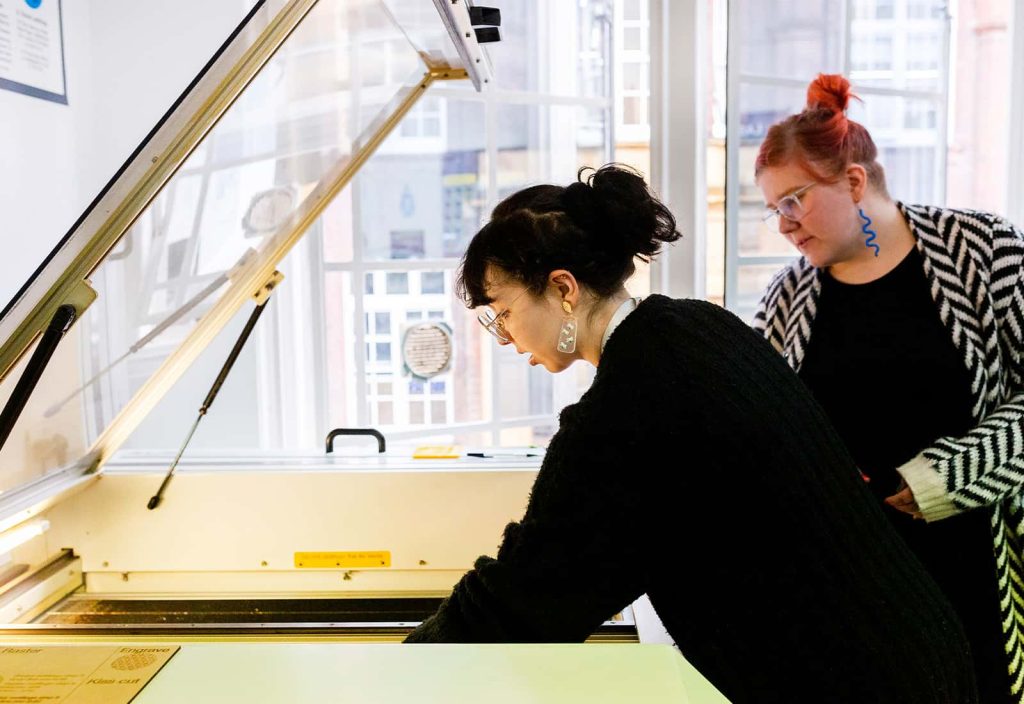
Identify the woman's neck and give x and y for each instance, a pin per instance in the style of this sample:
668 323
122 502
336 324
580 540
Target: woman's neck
597 323
894 240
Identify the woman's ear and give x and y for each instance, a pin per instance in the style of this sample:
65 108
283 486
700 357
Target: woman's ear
857 177
566 285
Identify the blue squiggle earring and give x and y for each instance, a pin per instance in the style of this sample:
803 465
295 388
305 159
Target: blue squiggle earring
866 229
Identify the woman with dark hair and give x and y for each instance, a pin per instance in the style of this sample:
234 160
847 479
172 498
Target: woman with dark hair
906 322
692 422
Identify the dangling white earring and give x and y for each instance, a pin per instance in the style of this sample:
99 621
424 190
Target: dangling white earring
567 334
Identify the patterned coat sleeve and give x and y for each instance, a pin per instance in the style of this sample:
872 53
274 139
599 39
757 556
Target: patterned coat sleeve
772 313
760 322
985 466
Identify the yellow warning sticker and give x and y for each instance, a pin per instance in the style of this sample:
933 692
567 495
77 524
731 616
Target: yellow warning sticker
366 558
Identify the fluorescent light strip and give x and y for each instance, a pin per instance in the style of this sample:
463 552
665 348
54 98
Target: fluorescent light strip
22 534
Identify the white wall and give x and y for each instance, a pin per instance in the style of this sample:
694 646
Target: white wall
37 162
126 62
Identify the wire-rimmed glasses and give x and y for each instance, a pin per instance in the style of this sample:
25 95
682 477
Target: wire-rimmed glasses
494 323
789 207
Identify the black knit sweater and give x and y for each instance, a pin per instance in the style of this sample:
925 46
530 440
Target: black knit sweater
698 469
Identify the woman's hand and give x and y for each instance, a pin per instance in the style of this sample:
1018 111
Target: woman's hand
903 500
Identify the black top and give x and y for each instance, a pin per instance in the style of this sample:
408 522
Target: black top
698 469
875 353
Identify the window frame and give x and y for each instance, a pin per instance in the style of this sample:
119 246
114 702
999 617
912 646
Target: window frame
738 79
492 100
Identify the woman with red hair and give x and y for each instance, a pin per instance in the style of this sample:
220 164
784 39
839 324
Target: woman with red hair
907 324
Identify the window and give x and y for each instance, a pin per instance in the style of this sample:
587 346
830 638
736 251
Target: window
920 116
921 9
416 416
634 111
424 120
923 52
427 190
327 351
633 39
634 75
438 411
632 80
874 9
775 67
408 244
872 53
432 282
398 283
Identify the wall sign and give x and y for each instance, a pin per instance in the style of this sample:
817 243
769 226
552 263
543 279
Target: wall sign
32 49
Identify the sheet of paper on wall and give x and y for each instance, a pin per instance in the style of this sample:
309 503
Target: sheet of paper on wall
32 50
78 674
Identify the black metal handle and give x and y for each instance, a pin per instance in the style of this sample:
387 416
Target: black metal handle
354 431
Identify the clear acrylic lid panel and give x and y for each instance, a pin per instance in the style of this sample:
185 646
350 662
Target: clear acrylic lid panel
303 113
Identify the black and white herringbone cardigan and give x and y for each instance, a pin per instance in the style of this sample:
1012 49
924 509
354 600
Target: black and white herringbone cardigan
974 262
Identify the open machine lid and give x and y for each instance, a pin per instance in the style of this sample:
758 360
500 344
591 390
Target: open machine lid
250 152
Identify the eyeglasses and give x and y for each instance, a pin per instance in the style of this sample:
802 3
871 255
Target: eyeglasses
494 323
789 207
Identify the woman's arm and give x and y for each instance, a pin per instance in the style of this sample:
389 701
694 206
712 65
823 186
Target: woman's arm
579 555
554 580
986 465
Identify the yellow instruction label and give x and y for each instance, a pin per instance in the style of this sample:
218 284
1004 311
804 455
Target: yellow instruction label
366 558
437 452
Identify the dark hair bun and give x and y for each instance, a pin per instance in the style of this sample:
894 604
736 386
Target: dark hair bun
596 228
625 210
829 92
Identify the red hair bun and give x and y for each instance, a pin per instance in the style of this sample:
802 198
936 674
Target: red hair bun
830 91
